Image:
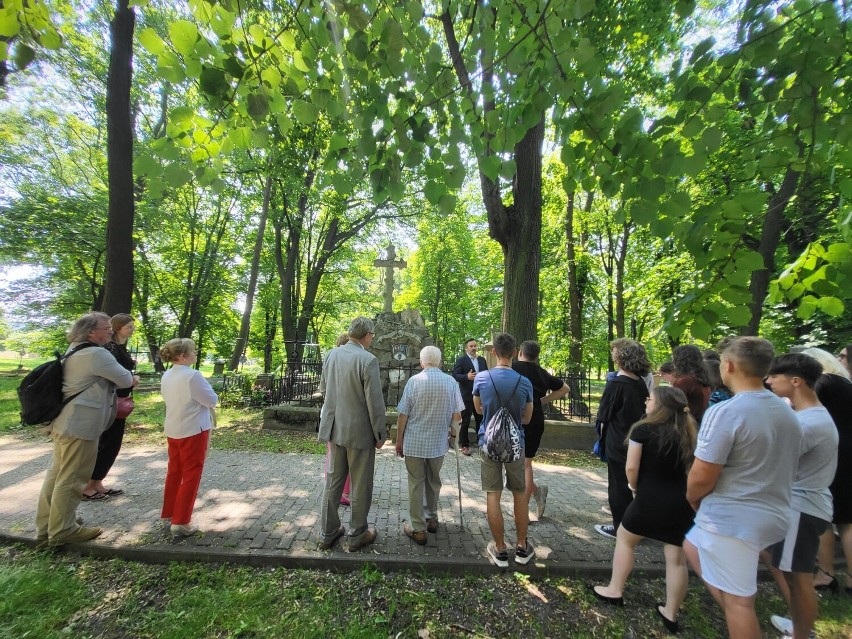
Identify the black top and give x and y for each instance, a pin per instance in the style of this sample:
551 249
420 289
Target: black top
541 381
622 405
835 393
119 351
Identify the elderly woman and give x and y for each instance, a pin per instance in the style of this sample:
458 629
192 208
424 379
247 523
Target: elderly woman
123 326
622 405
90 376
189 399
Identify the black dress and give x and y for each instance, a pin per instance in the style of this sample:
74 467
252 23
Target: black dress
542 382
659 510
835 393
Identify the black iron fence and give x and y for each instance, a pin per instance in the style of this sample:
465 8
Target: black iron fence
298 384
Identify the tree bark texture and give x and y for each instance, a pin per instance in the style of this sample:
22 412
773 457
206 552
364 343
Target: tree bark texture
118 285
770 236
245 324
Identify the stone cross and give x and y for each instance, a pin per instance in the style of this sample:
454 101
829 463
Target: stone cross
389 264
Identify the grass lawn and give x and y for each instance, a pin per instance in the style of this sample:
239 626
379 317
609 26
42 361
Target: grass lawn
58 595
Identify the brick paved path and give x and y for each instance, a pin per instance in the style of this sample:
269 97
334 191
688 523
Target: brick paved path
263 508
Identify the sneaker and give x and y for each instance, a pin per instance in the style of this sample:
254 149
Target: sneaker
500 558
782 625
80 535
183 530
525 555
540 496
606 530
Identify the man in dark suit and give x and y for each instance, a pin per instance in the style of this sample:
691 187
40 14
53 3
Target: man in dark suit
352 420
465 369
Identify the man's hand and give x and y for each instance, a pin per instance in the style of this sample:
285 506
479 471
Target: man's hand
380 444
471 375
399 452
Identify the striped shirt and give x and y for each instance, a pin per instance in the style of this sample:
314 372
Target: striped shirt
429 400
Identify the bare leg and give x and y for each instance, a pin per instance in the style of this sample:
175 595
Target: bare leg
530 482
692 556
825 559
779 577
846 543
622 563
522 517
804 606
740 615
495 518
677 580
96 486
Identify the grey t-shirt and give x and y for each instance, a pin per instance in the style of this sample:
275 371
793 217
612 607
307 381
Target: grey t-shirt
817 463
757 438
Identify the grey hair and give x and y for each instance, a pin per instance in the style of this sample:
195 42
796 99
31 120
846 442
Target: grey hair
80 329
431 356
360 326
829 362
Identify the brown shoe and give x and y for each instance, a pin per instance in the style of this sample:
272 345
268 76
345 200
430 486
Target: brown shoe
83 533
369 538
417 536
466 451
432 526
326 545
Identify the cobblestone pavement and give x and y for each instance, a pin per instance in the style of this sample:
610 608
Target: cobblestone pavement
263 509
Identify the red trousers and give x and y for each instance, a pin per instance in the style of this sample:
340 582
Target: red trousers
186 461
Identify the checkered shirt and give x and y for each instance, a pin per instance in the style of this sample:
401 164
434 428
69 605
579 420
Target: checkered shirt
429 400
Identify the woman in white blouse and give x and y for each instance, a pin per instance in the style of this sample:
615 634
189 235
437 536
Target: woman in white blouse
189 400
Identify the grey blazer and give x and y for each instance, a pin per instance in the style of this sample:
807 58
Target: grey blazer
96 373
353 413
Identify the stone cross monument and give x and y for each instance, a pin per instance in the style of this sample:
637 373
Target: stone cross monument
389 264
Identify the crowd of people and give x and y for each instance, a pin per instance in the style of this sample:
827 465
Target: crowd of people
729 456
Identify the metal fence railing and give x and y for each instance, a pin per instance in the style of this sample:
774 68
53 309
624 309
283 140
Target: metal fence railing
299 382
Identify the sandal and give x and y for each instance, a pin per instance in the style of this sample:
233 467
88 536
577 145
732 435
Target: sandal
95 496
113 491
465 451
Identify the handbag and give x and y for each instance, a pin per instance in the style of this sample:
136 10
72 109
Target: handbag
599 448
124 406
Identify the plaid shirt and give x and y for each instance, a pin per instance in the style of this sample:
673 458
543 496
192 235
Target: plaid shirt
429 400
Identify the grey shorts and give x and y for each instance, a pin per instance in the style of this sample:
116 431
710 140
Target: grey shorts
798 551
492 474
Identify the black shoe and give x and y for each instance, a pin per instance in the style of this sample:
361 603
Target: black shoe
614 601
672 626
832 585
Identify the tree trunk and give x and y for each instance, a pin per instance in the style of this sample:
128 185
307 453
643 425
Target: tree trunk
118 286
245 324
770 236
620 259
575 295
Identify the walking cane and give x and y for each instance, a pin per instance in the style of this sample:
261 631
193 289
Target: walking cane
458 474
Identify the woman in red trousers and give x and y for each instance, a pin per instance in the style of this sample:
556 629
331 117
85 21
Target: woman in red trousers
189 403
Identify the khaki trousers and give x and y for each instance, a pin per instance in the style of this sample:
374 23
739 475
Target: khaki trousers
424 488
359 463
70 470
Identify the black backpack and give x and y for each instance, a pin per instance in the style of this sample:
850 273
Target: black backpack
502 442
40 392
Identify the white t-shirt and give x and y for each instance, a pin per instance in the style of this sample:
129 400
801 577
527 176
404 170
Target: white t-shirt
817 463
757 438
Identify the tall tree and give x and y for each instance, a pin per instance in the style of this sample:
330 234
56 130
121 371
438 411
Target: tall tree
118 285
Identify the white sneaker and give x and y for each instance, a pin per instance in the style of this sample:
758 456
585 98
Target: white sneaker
500 558
183 530
782 625
524 555
540 496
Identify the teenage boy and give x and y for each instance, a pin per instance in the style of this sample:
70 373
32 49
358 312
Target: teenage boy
794 376
501 386
740 483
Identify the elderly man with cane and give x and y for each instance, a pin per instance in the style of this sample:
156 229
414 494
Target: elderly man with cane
430 404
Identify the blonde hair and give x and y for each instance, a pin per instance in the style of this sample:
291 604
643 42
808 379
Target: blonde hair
830 364
174 348
342 339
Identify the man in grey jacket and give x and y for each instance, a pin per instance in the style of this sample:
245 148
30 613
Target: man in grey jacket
353 422
90 377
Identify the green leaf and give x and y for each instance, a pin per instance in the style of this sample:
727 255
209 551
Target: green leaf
490 166
213 82
831 306
176 175
739 315
22 56
183 35
305 112
582 7
807 307
434 191
749 261
257 105
299 62
151 41
700 329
